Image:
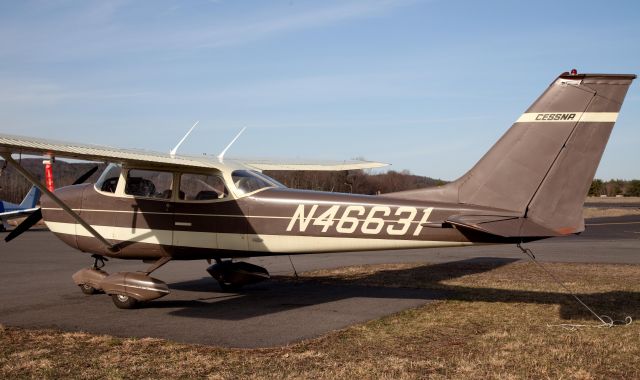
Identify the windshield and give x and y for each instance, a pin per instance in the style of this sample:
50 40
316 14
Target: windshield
247 181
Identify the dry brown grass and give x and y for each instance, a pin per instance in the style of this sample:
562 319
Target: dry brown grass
613 200
616 207
592 212
493 322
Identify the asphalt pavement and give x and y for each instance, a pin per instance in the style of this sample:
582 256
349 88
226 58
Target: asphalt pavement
36 290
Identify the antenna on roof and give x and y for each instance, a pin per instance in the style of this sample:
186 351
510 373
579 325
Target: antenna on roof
221 155
173 151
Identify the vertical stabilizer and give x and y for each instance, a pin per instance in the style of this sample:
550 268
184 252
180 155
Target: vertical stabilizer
31 199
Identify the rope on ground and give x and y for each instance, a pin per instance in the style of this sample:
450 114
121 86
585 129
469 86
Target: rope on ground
605 320
295 272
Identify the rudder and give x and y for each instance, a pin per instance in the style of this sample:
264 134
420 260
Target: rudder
558 202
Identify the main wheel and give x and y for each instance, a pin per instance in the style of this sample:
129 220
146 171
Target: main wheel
88 289
124 302
229 286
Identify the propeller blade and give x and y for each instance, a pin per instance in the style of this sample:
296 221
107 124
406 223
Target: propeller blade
25 225
85 176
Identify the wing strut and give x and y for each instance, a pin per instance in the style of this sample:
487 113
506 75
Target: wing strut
59 202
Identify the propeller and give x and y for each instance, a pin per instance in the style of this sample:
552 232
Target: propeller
25 225
85 176
36 216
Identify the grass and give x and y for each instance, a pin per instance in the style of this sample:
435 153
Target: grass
616 207
618 200
593 212
493 320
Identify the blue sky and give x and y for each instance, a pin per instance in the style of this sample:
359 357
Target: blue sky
427 86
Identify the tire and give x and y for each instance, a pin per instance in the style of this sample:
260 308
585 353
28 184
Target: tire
124 302
228 286
88 289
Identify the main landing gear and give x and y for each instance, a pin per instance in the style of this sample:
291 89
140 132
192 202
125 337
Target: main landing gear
231 276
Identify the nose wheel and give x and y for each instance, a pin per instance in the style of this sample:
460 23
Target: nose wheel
88 289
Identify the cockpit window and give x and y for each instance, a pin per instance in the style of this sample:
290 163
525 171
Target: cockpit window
201 187
247 181
108 181
149 183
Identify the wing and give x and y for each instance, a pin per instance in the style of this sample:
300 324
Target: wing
10 144
311 165
18 213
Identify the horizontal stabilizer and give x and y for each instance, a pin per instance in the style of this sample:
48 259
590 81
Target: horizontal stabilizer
501 225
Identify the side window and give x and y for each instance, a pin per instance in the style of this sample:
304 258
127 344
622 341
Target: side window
149 183
108 181
200 187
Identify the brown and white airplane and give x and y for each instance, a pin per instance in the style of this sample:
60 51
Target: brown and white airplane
160 207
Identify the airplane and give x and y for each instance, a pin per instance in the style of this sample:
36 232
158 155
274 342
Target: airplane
159 207
10 210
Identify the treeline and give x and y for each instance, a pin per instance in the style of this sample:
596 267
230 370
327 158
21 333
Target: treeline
615 187
353 181
13 186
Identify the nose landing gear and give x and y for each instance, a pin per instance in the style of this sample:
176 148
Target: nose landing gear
89 279
127 289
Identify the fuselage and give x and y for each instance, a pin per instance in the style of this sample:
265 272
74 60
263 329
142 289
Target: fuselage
270 221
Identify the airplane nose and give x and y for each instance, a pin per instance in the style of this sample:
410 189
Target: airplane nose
70 195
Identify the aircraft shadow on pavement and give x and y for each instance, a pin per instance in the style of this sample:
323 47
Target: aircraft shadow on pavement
286 294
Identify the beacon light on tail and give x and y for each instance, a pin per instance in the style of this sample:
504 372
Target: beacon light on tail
160 207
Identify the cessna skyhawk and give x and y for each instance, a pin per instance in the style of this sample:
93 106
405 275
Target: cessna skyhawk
160 207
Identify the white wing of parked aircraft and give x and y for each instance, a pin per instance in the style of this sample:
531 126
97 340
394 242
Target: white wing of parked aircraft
31 145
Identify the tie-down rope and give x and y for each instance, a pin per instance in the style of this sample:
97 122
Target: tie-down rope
606 321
